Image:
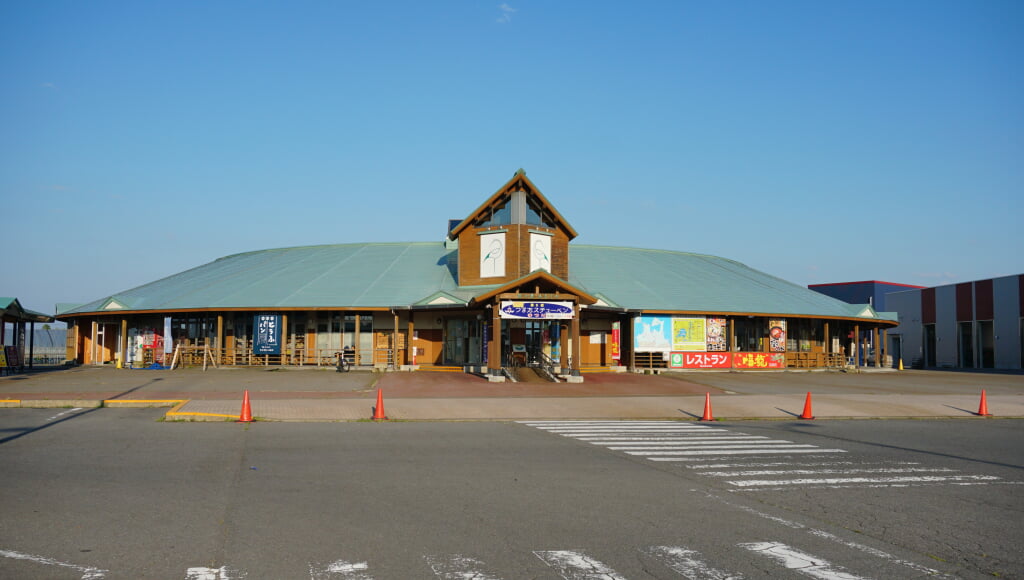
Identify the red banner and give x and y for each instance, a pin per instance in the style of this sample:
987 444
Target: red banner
758 360
616 353
700 360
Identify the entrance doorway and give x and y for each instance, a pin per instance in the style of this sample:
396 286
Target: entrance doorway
533 342
462 342
104 343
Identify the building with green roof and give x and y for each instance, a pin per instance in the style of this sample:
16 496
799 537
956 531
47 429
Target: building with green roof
505 289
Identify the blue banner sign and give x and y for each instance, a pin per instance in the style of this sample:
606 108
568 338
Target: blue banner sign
541 309
267 334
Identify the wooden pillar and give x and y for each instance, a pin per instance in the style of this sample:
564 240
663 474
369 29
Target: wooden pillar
827 340
878 349
394 344
563 346
355 338
220 339
884 344
856 345
576 346
409 346
732 334
122 343
494 348
31 343
285 336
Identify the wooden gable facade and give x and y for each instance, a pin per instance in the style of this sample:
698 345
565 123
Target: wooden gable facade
514 232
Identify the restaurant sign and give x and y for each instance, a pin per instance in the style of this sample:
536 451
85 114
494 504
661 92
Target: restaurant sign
542 309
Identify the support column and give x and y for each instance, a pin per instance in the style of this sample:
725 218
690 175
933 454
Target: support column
409 346
885 344
122 343
878 349
576 346
563 347
394 346
285 335
856 346
219 347
494 348
31 343
357 341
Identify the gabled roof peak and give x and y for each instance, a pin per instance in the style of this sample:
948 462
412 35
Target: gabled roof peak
518 182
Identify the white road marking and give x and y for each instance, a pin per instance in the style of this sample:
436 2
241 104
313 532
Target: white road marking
661 446
849 480
832 537
458 567
784 454
222 573
340 570
716 449
69 411
828 471
88 572
786 464
800 561
575 565
688 563
776 451
668 439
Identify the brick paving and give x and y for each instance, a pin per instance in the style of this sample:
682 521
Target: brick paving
312 394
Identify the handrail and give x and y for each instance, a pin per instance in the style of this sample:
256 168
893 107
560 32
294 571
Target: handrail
548 364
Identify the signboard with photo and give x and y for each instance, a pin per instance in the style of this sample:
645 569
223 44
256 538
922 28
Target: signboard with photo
716 330
777 336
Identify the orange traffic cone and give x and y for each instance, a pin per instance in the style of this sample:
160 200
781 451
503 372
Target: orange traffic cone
378 411
983 408
807 409
707 408
246 416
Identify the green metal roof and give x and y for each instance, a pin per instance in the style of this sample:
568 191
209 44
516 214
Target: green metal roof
424 273
11 308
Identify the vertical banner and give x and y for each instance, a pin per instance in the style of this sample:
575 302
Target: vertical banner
492 255
777 336
267 334
485 343
614 346
716 335
168 340
3 357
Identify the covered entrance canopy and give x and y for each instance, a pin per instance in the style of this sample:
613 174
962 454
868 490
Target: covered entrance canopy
535 320
14 354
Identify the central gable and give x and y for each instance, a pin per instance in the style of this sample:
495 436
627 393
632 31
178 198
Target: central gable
514 232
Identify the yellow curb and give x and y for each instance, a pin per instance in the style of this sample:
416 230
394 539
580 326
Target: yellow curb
144 402
10 402
176 413
173 414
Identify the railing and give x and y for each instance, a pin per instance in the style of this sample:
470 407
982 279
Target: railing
548 366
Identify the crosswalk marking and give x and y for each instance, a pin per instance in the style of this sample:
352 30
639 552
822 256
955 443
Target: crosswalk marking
458 567
688 563
844 480
707 450
801 562
340 570
575 565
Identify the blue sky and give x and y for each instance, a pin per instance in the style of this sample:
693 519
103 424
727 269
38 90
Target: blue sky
816 141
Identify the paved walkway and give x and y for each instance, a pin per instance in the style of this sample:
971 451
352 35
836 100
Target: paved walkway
323 395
